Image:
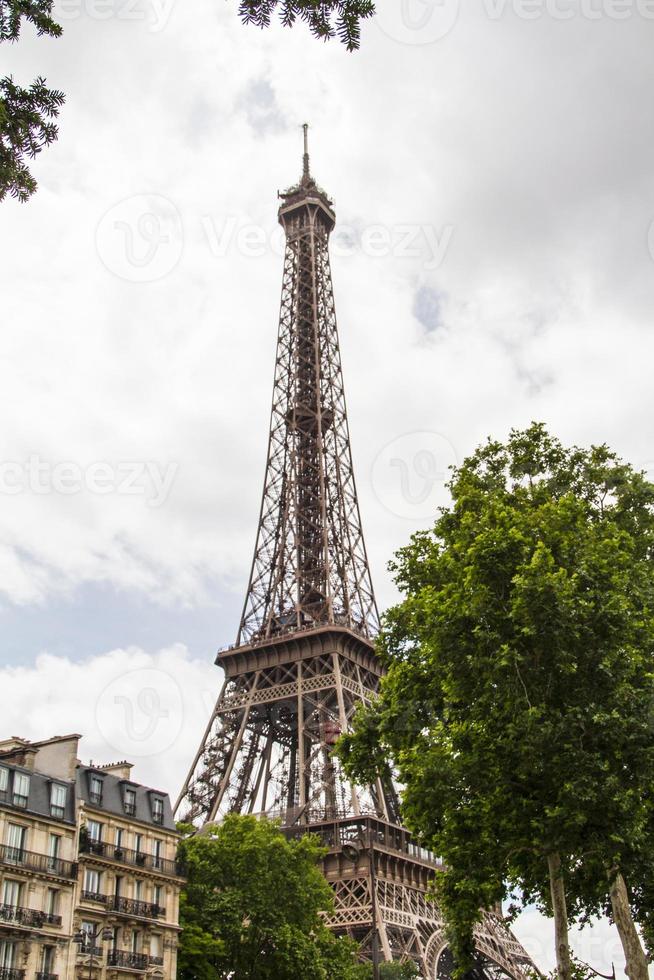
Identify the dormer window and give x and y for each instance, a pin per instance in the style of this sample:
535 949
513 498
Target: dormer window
129 801
157 809
57 800
21 789
95 790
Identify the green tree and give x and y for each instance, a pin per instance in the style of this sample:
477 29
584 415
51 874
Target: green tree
518 701
253 907
399 971
326 18
26 114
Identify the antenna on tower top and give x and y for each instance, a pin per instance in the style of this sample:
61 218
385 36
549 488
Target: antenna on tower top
305 159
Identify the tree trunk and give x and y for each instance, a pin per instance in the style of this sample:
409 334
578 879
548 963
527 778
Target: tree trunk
636 961
563 959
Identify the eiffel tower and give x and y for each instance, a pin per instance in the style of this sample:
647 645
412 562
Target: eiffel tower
305 657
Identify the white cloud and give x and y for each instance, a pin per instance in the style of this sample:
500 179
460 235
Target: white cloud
148 708
526 137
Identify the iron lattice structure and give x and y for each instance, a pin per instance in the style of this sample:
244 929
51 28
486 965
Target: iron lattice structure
304 658
310 565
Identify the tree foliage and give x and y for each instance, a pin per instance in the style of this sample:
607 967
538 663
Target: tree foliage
517 707
399 971
26 114
253 908
326 18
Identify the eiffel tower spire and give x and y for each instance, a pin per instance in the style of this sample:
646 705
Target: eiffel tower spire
304 658
310 566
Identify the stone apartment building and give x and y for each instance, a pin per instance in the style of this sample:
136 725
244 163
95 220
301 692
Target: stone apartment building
89 883
38 846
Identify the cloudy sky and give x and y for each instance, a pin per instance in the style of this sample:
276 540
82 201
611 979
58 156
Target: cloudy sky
492 166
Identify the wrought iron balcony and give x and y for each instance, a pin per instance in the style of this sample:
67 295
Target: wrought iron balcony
47 976
156 961
129 961
125 855
89 951
28 917
9 973
18 857
133 906
93 896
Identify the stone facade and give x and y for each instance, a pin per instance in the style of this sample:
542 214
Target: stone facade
83 849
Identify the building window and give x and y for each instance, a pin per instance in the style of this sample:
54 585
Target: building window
89 929
91 883
7 955
11 892
156 854
138 890
155 948
4 781
156 895
54 843
138 847
52 905
47 959
21 789
57 800
16 835
95 830
130 801
157 809
136 940
95 790
119 837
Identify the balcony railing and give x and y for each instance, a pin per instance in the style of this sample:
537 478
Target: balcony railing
28 917
47 976
18 857
156 961
130 961
9 973
93 896
133 906
110 852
